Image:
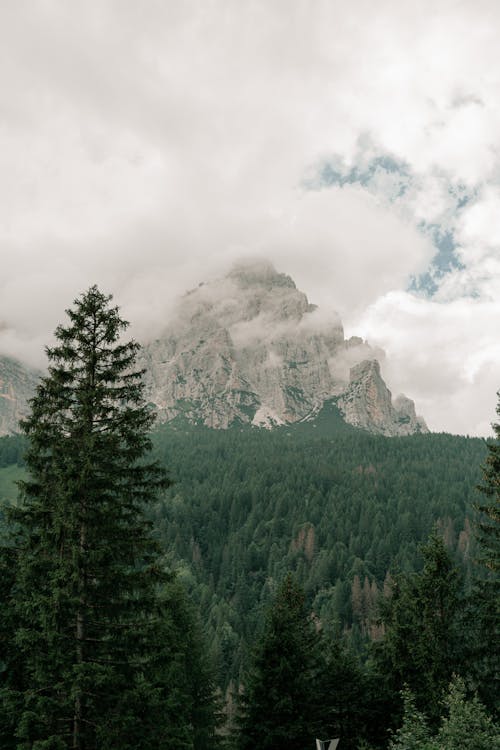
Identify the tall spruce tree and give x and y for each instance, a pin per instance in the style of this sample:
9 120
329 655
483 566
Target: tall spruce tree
93 643
422 646
342 697
279 709
466 724
485 651
489 523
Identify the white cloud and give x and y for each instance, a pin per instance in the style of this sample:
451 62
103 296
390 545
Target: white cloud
445 355
146 145
479 230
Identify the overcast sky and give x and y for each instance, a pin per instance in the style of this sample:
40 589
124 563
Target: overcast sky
146 145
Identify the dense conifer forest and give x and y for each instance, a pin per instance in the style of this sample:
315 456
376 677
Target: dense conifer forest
272 587
344 511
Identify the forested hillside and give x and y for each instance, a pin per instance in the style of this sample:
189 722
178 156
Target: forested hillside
340 508
341 511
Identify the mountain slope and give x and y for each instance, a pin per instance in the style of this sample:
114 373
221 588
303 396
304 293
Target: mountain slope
249 348
329 502
17 385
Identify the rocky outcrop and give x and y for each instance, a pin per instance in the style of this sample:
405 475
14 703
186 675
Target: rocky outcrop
17 386
250 348
367 403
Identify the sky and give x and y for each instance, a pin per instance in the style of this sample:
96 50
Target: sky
146 146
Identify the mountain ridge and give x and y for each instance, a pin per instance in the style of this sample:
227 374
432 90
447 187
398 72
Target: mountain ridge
250 348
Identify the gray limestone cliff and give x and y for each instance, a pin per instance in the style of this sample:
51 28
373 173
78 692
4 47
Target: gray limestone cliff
367 403
17 386
250 348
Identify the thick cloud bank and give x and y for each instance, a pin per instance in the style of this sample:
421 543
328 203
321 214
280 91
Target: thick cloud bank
146 146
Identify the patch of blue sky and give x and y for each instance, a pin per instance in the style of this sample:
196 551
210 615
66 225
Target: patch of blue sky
392 179
446 258
444 261
463 195
337 173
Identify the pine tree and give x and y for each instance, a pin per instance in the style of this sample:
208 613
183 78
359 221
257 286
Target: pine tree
341 695
279 706
421 646
94 643
413 734
467 725
489 524
10 665
485 648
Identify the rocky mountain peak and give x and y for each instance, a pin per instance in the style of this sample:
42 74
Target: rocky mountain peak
249 347
259 273
250 292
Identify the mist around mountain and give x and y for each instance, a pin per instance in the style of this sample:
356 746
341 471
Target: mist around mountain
249 348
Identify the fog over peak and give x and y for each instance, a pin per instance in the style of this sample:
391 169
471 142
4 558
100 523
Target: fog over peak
258 272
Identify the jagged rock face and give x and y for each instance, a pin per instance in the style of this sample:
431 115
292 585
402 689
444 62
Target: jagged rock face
242 349
17 386
250 348
367 403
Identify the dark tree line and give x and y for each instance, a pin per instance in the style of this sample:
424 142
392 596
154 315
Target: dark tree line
416 691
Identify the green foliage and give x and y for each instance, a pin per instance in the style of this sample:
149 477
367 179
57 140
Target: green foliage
342 695
100 649
414 734
10 665
247 506
12 449
302 683
464 724
279 706
9 479
487 592
422 643
328 502
489 523
481 649
343 510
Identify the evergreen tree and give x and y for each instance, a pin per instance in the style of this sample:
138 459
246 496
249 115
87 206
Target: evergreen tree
421 646
10 667
413 734
279 705
467 724
486 597
94 645
341 696
489 524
